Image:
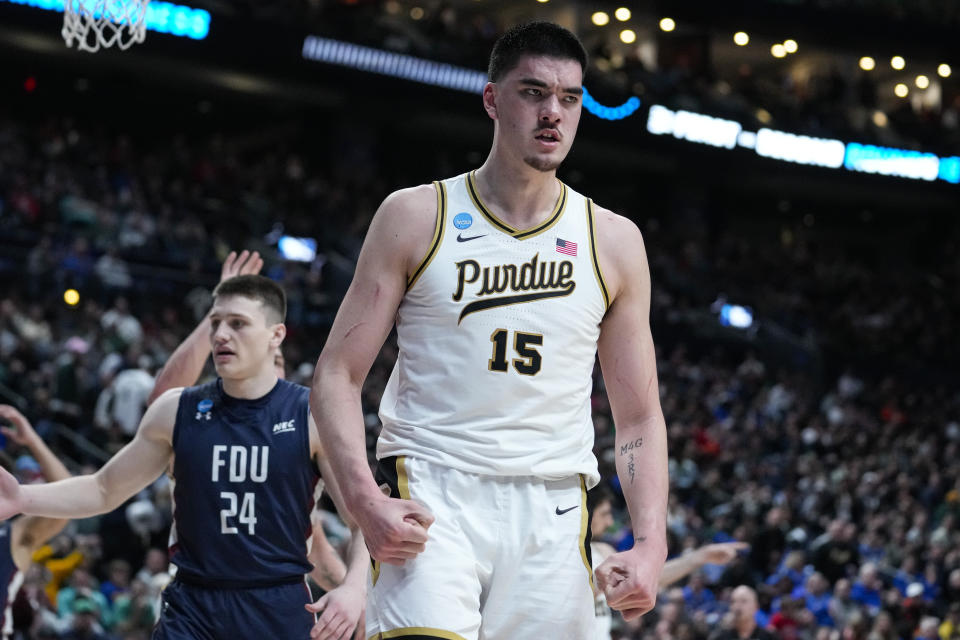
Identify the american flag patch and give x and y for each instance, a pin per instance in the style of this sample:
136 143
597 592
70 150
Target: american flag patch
567 247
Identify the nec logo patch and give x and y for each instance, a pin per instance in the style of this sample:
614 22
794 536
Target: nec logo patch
284 427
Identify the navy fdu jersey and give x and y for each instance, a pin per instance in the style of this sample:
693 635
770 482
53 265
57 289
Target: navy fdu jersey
244 484
10 578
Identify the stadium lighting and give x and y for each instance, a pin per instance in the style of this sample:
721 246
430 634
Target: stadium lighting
622 14
944 70
600 18
901 90
778 50
790 46
416 13
629 36
867 63
922 82
897 62
161 17
741 38
880 118
71 297
667 24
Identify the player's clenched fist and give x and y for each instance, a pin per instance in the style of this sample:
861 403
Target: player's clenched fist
629 580
395 530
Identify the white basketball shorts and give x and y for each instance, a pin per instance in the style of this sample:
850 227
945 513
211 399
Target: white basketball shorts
507 558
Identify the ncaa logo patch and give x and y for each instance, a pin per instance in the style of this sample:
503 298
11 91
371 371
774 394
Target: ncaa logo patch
205 405
462 220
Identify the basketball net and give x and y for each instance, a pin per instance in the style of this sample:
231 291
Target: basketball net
92 24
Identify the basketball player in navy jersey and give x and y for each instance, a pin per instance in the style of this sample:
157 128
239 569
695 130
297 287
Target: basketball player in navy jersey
184 368
504 284
242 457
20 538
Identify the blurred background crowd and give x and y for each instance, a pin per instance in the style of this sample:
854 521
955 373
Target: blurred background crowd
824 430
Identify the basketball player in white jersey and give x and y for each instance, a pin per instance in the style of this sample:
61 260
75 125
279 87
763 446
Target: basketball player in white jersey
504 284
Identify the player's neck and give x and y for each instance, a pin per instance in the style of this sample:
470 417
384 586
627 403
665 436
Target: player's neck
250 388
521 196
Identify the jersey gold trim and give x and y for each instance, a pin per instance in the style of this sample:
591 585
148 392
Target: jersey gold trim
403 484
374 571
585 536
437 234
519 234
418 633
591 223
395 480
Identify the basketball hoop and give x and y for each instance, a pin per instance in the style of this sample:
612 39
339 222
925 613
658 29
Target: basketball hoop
93 24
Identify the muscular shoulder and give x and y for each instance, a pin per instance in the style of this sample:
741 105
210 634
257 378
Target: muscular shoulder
405 222
620 248
159 419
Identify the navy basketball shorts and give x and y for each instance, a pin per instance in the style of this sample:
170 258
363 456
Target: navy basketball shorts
192 612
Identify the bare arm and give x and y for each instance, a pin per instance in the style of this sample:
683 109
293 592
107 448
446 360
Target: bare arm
628 361
679 568
130 470
328 568
186 364
31 532
341 609
401 230
357 556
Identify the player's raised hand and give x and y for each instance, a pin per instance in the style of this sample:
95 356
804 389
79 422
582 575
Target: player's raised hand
339 612
720 553
10 496
22 431
246 263
629 580
395 530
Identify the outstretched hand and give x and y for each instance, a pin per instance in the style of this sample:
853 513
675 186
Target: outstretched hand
721 552
22 430
246 263
339 613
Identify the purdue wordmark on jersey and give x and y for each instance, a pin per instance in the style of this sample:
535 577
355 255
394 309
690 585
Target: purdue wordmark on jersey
498 338
544 278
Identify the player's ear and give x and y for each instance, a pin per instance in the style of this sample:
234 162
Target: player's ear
279 333
490 100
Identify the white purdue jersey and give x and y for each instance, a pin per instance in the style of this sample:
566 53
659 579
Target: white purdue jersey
498 336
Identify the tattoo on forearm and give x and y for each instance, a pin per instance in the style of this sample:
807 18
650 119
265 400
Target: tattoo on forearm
630 446
631 468
639 539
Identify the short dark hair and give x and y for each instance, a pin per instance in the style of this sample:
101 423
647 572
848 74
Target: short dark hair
537 38
263 290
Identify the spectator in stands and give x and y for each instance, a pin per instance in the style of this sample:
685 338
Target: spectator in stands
834 553
84 624
741 622
816 597
866 591
842 607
